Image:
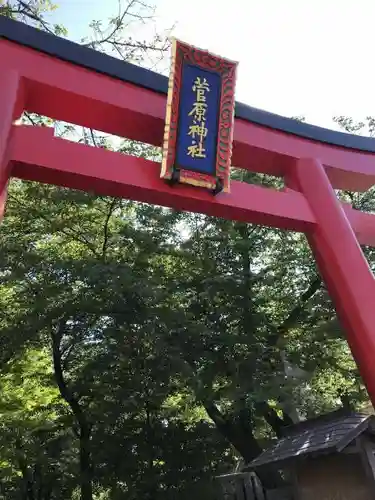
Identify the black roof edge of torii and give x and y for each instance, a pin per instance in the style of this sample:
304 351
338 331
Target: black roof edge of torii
88 58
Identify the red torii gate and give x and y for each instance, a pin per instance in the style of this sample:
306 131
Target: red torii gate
54 77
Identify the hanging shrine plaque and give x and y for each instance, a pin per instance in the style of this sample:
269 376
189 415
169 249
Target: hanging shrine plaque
199 120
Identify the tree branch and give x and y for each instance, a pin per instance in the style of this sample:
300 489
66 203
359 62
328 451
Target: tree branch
66 393
295 313
31 14
106 231
118 25
293 316
270 415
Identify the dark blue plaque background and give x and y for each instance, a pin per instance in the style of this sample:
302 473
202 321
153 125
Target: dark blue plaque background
187 98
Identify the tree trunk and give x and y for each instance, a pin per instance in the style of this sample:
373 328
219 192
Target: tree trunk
241 436
27 482
85 463
82 421
270 415
149 438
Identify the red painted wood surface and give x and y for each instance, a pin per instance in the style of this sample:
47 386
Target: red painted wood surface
342 264
45 85
39 156
11 107
76 95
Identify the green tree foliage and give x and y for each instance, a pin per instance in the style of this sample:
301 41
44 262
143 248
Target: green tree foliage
144 350
175 340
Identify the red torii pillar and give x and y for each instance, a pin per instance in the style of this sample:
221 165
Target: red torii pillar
11 108
59 79
342 264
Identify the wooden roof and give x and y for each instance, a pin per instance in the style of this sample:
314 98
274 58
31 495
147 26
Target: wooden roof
326 434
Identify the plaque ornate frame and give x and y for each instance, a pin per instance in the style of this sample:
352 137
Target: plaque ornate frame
186 54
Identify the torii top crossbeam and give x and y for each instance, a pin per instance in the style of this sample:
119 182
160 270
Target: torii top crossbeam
54 77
